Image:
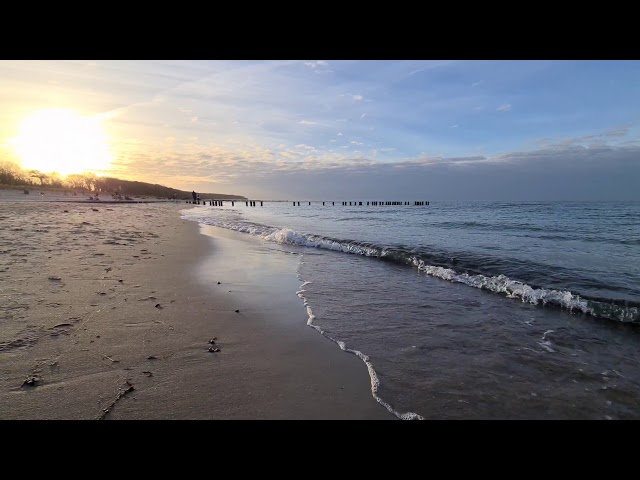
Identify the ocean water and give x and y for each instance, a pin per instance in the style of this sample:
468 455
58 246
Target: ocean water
485 310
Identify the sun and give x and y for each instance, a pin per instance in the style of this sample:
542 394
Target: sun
62 141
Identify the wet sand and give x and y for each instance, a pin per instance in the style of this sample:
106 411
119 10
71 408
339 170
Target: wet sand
106 312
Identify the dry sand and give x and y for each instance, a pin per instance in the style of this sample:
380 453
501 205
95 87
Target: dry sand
106 312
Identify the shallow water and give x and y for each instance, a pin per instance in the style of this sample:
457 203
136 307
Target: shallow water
487 310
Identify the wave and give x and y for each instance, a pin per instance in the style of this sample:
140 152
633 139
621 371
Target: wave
501 284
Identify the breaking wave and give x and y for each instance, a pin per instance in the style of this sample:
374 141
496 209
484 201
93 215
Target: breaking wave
501 284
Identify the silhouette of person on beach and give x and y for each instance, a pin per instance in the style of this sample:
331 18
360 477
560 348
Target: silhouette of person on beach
193 194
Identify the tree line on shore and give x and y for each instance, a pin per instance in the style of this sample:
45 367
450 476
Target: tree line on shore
12 175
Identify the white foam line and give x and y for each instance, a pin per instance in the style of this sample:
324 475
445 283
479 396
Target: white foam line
512 288
500 284
375 382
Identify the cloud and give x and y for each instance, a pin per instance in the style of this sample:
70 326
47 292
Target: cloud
564 169
559 174
475 84
358 98
454 126
614 137
427 160
363 115
194 119
306 147
504 108
310 123
619 131
317 64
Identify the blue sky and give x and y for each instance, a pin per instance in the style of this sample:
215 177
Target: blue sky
326 129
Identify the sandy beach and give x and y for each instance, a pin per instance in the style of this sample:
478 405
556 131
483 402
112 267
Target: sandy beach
106 312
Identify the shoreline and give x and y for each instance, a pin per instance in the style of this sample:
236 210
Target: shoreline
107 317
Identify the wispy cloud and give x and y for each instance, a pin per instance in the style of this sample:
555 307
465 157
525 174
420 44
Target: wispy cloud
306 147
317 65
619 131
504 108
311 123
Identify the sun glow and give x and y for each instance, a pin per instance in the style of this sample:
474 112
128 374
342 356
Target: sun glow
62 141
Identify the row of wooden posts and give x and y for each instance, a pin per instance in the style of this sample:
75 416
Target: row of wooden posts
220 203
252 203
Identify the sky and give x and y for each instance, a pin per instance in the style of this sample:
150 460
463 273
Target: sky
334 129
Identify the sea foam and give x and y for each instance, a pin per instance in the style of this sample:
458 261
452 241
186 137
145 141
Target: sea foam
375 382
500 284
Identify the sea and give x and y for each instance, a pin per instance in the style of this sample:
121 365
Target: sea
469 310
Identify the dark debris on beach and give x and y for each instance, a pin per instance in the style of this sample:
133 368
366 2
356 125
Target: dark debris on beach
31 381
